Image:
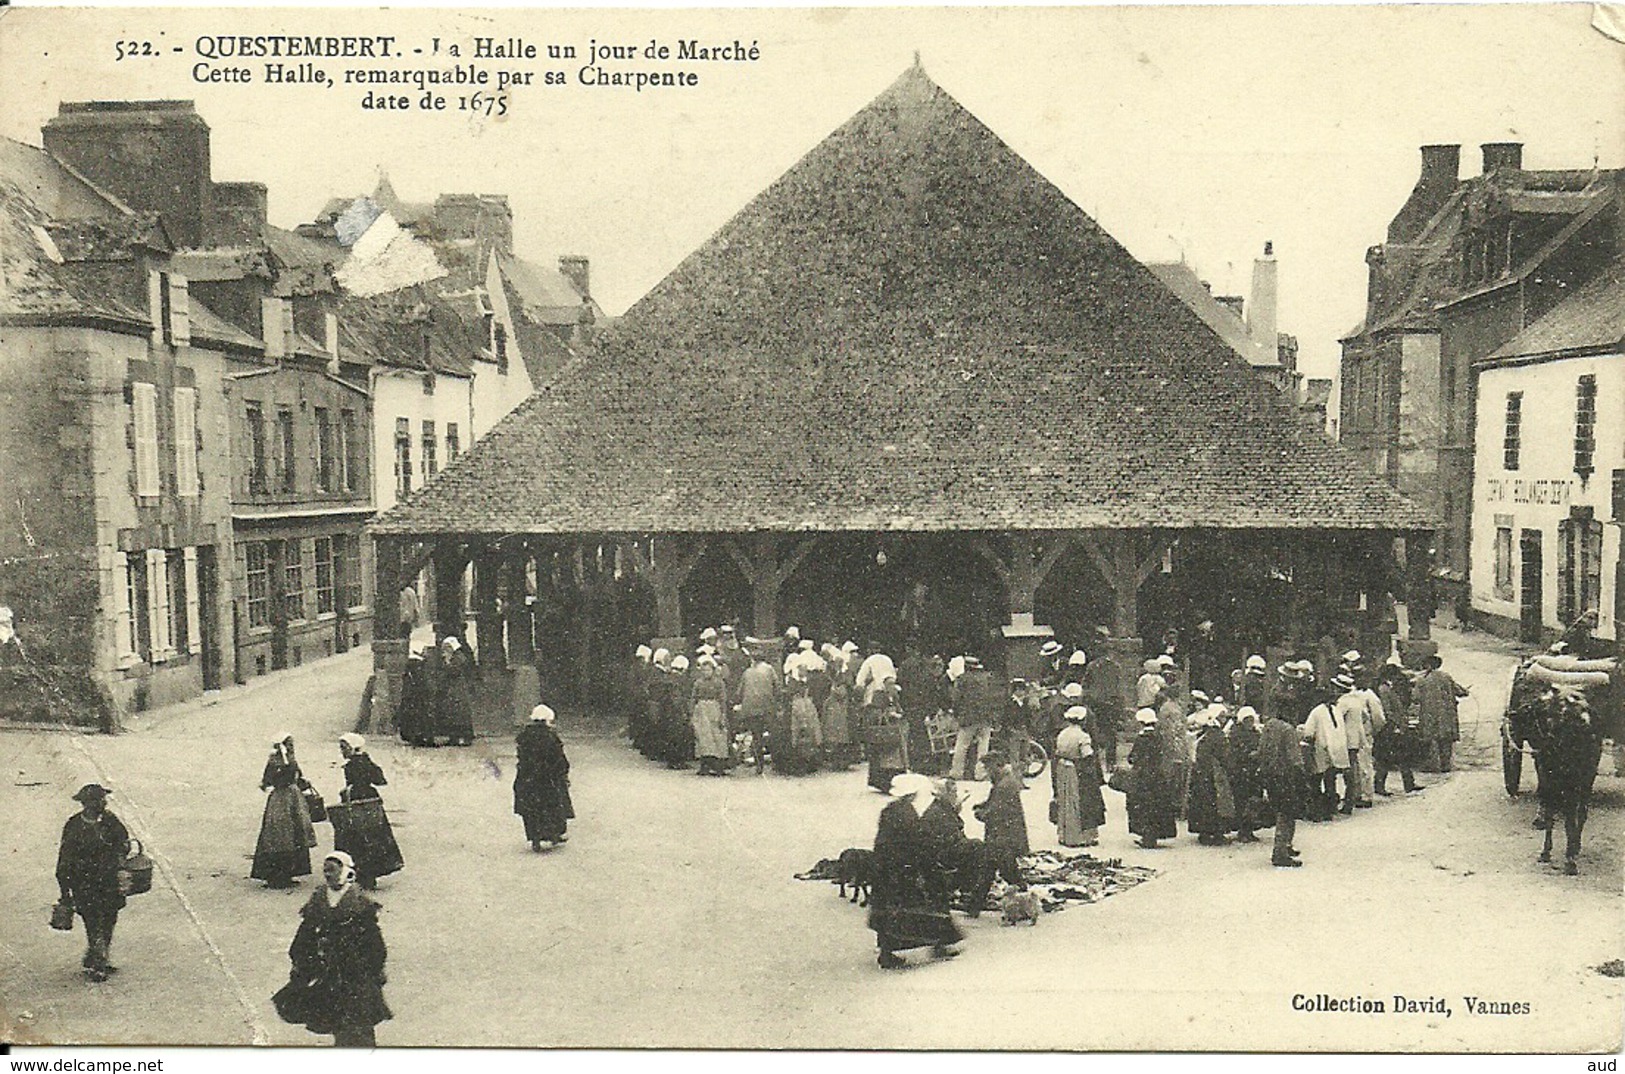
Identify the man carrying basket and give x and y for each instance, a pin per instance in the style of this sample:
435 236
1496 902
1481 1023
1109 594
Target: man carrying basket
94 846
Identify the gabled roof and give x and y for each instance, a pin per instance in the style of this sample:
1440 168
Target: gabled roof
1182 280
1589 321
546 295
911 329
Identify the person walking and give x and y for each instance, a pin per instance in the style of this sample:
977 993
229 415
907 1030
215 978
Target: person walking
286 833
758 698
541 780
909 898
1080 809
979 705
1150 785
1280 770
1244 736
456 708
1211 812
708 701
1325 732
1397 742
336 982
364 833
1436 697
93 847
414 716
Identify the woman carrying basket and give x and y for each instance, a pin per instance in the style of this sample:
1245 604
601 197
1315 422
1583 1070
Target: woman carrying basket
360 825
286 834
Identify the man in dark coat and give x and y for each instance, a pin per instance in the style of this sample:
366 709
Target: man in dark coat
1102 680
94 846
336 983
1004 823
909 899
1436 695
541 780
979 705
1281 770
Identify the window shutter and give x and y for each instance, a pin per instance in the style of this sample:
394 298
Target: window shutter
155 304
144 401
186 483
194 641
158 604
123 643
180 311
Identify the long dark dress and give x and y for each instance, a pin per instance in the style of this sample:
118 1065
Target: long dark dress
456 709
414 716
336 984
541 783
286 834
909 896
1211 810
364 832
1150 789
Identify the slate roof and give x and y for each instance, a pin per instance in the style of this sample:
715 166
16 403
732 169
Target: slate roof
546 295
388 330
910 330
1591 320
1182 280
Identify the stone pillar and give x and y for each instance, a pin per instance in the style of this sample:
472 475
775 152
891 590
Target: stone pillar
389 650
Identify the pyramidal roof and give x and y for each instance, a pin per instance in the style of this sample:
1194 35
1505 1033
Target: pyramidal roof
910 329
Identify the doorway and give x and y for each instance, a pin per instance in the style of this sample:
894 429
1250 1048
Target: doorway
1530 590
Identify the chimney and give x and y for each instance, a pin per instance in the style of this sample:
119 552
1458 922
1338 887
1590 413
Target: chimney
1261 312
236 214
575 269
1441 172
1502 155
152 155
485 217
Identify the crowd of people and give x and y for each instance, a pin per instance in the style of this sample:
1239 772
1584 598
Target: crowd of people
437 696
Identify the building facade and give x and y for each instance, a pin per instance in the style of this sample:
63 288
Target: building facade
1549 470
1467 264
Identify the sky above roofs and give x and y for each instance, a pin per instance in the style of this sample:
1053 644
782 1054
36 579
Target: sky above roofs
1199 133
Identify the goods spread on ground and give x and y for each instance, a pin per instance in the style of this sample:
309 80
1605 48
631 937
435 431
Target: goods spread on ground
1058 879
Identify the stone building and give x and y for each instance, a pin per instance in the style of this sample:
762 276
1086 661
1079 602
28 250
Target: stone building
909 392
115 534
1549 470
1466 265
296 413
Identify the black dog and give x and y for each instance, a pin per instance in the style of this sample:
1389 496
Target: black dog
854 868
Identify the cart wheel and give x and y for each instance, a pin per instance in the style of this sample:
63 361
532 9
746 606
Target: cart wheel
1034 761
1511 764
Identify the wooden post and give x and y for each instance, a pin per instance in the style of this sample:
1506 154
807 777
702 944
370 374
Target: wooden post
667 562
449 561
516 583
757 555
487 620
1023 568
1125 560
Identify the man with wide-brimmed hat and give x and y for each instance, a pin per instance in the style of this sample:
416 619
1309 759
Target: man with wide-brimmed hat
94 846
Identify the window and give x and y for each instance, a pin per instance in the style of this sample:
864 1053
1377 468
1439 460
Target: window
324 575
186 442
348 443
1511 440
158 626
284 421
499 344
453 446
431 460
1579 565
182 611
324 450
1503 557
259 583
347 553
144 408
1585 424
126 640
257 479
293 580
403 456
193 634
140 602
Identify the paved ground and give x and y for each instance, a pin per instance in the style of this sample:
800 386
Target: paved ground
671 917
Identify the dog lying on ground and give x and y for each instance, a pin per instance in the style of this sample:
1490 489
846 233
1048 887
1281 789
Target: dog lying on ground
1019 906
854 868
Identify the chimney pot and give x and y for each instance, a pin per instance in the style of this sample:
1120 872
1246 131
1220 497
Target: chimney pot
576 269
1499 155
1269 248
1441 162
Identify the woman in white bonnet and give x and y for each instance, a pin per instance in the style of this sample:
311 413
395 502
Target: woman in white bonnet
1080 809
541 780
910 897
336 980
286 834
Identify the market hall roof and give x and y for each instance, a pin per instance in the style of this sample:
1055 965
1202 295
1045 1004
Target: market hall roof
910 330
